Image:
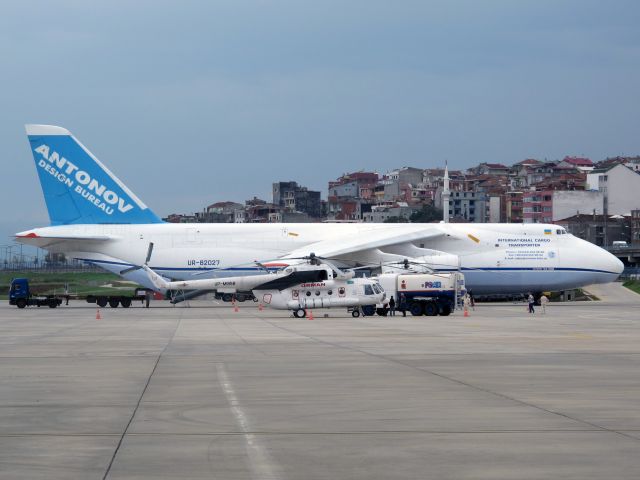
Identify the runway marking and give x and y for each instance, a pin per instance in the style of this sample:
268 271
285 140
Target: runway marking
261 462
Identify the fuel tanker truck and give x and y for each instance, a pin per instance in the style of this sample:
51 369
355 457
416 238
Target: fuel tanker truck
424 293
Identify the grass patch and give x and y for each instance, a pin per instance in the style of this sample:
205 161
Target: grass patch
632 285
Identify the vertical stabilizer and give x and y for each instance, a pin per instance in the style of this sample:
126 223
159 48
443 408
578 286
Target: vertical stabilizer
77 187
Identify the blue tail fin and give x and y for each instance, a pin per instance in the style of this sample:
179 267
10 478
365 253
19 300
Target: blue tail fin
77 187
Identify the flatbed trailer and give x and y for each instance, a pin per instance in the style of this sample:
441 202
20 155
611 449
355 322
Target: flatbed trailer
141 295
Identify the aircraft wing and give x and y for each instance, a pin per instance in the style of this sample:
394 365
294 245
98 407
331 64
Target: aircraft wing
368 240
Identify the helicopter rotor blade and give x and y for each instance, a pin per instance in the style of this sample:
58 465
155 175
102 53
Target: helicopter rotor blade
149 252
133 268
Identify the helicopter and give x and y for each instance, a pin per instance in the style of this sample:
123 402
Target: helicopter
314 283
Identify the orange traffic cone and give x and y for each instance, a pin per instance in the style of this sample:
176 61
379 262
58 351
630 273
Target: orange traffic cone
260 307
235 308
466 312
98 317
309 315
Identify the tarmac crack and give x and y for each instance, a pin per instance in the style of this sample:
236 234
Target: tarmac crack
144 390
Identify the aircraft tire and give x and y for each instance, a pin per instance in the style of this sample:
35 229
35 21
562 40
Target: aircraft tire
114 302
446 310
368 310
415 309
102 301
227 297
300 313
125 302
430 309
355 313
240 297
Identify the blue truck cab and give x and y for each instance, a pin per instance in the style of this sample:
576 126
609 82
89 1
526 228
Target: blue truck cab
19 290
20 295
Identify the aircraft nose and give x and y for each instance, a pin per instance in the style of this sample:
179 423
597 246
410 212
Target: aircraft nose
605 261
615 264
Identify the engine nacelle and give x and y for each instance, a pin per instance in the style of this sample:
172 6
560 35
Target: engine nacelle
441 261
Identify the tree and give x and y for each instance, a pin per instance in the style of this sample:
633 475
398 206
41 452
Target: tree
427 214
55 258
395 219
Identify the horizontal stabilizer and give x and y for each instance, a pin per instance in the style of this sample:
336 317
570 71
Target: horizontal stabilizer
45 240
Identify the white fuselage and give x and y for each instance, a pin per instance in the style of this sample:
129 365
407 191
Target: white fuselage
495 258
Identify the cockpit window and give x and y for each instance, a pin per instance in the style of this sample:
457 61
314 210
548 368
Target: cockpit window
368 290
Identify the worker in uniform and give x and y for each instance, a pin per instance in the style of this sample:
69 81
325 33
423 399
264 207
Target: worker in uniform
543 303
403 305
532 302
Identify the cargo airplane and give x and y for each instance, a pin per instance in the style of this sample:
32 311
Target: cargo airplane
95 218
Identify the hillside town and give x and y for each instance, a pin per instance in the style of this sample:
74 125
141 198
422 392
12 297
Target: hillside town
597 201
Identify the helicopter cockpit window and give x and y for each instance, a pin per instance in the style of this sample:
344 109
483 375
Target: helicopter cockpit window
323 275
368 290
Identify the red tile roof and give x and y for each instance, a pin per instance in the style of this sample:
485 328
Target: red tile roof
579 161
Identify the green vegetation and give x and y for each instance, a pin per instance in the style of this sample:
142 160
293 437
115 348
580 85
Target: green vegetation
426 214
633 285
579 295
395 219
80 283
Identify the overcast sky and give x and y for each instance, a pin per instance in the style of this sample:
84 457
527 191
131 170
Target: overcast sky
193 102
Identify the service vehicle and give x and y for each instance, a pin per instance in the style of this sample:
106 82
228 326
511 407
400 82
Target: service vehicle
21 296
424 293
